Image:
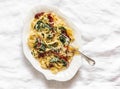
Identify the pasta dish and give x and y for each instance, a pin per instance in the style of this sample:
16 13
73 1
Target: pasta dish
50 41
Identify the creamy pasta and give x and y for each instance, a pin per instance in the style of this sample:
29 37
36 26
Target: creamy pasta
50 41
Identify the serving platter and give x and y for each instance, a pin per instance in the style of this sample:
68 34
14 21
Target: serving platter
76 62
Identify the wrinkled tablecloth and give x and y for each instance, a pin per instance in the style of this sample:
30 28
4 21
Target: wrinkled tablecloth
99 24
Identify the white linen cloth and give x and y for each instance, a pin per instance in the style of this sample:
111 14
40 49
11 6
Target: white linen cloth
99 24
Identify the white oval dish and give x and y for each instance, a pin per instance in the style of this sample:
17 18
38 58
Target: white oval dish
76 61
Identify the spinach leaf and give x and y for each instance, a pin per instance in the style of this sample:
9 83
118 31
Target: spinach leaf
47 26
42 47
37 43
39 22
38 25
62 28
64 62
62 38
54 60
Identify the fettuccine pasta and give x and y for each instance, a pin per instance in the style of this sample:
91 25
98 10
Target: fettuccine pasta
49 41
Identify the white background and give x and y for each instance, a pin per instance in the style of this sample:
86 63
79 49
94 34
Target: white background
99 24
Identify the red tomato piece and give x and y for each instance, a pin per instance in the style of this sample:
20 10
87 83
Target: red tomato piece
38 15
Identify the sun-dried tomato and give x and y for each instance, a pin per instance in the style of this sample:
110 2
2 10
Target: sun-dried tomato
51 21
50 18
41 55
38 15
